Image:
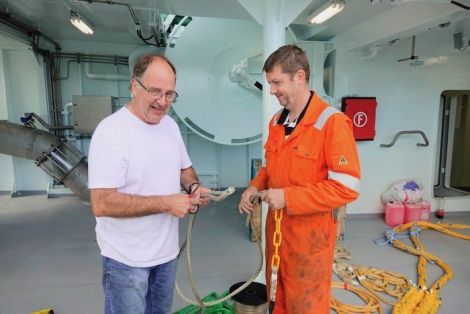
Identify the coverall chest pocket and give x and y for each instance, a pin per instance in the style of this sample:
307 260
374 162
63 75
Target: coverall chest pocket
304 162
270 155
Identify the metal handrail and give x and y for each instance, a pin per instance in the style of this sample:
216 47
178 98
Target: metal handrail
426 142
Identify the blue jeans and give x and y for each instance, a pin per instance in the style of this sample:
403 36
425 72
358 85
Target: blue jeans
138 290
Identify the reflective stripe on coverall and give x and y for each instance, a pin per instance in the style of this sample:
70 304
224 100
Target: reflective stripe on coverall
318 168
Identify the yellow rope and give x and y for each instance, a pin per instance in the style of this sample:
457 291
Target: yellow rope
376 281
429 303
422 299
372 303
346 272
441 227
410 299
383 281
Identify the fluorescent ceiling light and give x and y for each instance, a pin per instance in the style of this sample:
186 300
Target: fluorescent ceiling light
327 11
80 23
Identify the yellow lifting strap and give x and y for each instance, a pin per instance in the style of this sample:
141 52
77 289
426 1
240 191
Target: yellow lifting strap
422 299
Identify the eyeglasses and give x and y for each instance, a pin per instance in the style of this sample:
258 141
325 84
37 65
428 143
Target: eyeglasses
156 93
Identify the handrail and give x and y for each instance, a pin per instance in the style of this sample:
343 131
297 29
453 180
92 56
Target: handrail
426 142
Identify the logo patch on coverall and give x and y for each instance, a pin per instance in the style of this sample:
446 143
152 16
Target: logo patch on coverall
342 161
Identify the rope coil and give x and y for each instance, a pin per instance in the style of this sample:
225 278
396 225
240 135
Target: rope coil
423 299
187 246
250 309
372 303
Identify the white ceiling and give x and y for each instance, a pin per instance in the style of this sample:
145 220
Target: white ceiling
363 23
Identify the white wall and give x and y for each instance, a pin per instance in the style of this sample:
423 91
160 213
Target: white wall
408 99
23 76
6 163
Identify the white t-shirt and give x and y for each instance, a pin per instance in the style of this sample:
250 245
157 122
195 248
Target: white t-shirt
140 159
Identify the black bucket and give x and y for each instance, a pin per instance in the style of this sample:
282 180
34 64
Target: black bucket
251 300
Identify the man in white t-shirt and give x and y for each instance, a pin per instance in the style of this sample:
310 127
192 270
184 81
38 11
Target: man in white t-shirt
137 166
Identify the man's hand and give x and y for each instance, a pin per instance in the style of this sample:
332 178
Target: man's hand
274 198
180 204
199 192
245 205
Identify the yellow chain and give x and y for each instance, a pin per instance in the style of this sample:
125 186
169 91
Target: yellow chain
277 238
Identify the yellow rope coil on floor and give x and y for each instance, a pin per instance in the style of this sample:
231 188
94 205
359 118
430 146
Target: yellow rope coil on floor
372 303
410 299
376 281
346 272
421 299
382 281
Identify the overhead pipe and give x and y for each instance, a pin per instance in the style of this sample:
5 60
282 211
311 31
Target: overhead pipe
102 76
89 60
58 159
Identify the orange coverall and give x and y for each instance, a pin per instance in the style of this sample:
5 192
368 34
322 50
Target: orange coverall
318 168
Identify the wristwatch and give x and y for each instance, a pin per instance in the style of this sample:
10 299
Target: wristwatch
191 188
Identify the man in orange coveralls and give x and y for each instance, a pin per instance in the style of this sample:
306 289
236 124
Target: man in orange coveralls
312 167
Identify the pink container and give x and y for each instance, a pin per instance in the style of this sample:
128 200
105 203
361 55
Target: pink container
417 212
394 213
425 210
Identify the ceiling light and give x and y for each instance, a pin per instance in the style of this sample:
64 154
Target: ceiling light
80 23
327 11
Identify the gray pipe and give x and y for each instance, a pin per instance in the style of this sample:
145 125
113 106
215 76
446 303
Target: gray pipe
34 144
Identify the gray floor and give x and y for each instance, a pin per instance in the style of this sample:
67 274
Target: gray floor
49 256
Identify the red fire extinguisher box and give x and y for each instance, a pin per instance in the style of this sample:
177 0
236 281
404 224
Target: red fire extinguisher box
361 111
